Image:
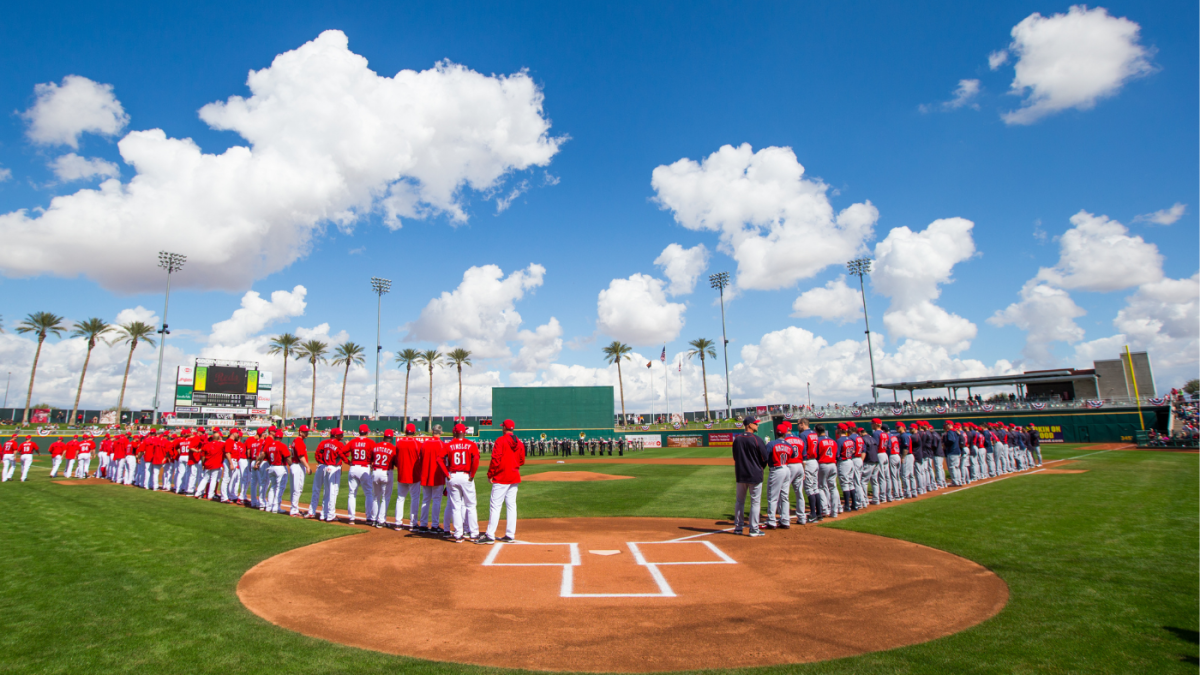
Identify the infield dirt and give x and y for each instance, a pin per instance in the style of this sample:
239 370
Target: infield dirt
793 596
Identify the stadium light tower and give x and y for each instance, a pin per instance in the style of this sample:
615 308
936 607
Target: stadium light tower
719 281
171 262
861 267
380 286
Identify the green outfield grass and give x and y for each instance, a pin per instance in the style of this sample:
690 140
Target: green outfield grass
1102 569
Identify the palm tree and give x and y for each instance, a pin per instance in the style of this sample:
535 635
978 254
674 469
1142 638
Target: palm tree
703 347
91 330
312 351
407 358
131 333
459 357
615 353
430 358
347 354
284 345
41 323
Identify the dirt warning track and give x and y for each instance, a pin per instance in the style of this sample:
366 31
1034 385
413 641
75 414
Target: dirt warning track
624 595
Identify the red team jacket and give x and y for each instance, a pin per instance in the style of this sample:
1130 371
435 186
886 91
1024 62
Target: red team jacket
214 455
432 474
408 460
508 456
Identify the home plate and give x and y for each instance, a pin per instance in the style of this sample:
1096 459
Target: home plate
604 552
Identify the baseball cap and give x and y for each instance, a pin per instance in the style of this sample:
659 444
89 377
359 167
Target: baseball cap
336 431
842 426
460 428
304 428
750 420
363 428
782 428
876 421
410 428
387 433
900 425
509 424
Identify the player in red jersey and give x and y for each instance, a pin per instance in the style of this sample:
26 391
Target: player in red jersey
254 467
87 448
827 471
408 476
235 458
212 459
297 469
460 462
57 449
383 461
329 456
846 449
71 454
796 467
276 456
358 452
504 470
779 481
433 481
105 457
10 458
28 449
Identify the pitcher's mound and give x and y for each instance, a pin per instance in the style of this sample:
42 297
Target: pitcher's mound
572 476
680 594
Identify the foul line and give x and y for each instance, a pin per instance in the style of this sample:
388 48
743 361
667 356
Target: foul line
567 588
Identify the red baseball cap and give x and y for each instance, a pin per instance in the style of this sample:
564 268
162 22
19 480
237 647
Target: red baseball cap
388 433
336 431
508 424
304 428
460 428
410 428
363 428
876 421
783 427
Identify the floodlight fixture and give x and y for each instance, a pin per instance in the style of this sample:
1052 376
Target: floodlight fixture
860 267
171 262
381 286
719 281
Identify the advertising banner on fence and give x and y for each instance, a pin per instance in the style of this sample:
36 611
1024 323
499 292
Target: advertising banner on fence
648 440
719 439
1050 434
696 441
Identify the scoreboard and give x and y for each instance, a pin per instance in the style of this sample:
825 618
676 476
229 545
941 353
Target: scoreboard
223 387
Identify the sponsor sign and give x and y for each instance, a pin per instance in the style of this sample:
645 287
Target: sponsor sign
189 409
39 416
222 423
255 424
648 440
1050 434
228 411
174 422
259 411
108 417
264 380
696 441
719 439
185 376
263 400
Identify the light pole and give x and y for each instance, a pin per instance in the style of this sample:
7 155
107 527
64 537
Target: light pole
10 382
861 267
808 386
719 281
380 286
171 262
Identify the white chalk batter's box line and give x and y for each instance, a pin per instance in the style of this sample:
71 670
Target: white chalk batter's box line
567 589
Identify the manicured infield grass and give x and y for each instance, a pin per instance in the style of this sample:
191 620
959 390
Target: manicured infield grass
1101 566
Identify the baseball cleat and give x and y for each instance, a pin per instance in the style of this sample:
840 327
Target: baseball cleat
485 540
757 533
506 539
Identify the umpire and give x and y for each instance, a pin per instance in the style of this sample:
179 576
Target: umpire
750 456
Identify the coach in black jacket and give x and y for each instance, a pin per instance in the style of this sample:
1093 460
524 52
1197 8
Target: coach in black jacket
750 457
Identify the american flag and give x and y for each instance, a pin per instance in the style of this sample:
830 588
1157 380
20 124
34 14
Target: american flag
663 358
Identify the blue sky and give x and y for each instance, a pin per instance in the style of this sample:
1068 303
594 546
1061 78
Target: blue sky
860 94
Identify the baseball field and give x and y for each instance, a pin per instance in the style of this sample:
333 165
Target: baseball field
1088 566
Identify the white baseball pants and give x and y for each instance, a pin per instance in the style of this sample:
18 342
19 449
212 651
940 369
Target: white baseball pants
412 491
431 505
908 476
505 494
463 504
318 489
276 481
360 476
297 480
333 482
26 460
208 481
379 496
54 466
85 464
778 489
797 481
827 479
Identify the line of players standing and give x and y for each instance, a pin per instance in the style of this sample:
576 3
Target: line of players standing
259 471
566 447
854 467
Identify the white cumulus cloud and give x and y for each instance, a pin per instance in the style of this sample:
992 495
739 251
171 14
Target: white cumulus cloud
835 301
256 313
539 347
328 140
71 167
1072 60
778 225
997 59
1047 314
481 313
682 266
964 95
910 268
636 310
63 113
1163 216
1099 254
138 313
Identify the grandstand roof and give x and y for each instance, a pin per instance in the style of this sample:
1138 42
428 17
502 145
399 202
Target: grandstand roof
1031 377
